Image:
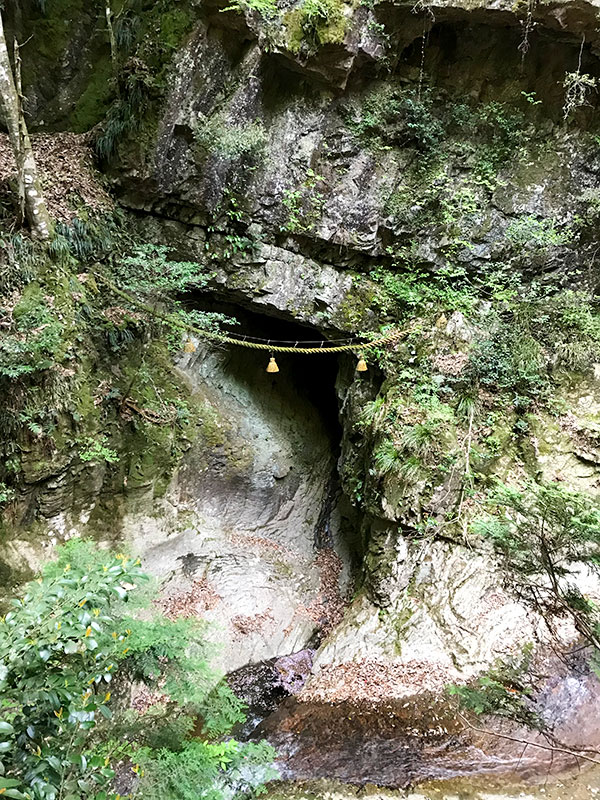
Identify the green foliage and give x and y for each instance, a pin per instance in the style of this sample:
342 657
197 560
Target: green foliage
33 340
266 8
568 323
6 494
411 434
314 23
502 127
147 40
242 143
503 691
63 645
392 115
541 531
577 86
126 30
223 771
531 98
317 16
544 527
304 204
539 334
406 291
126 114
510 360
96 449
148 269
531 232
87 238
17 262
387 457
58 656
401 118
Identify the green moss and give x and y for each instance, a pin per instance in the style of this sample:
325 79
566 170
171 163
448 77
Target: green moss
29 303
92 105
355 310
151 452
401 621
292 21
53 30
316 22
174 24
161 35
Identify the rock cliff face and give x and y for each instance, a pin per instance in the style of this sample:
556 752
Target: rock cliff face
337 167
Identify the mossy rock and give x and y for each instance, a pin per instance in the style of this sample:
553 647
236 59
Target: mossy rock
316 23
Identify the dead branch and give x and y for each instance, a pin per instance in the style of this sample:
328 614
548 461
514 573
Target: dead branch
551 748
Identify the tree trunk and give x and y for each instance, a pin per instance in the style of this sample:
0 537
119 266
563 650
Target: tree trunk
31 200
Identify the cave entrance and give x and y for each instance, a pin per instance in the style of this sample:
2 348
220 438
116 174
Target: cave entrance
310 377
265 528
276 470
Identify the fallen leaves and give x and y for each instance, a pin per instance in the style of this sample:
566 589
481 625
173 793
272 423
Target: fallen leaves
65 165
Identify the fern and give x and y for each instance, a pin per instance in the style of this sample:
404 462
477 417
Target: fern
387 457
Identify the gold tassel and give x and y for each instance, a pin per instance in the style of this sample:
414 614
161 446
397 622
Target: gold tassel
189 347
272 365
362 365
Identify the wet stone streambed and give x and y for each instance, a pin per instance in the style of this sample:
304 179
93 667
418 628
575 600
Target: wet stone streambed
418 741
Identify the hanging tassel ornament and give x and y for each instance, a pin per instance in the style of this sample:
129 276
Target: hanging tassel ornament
189 347
362 365
272 365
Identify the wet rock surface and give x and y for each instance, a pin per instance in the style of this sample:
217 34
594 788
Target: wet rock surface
265 685
422 738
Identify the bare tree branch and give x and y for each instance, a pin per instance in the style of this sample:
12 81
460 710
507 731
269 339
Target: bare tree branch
551 748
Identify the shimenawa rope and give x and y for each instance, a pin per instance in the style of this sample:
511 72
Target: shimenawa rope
264 345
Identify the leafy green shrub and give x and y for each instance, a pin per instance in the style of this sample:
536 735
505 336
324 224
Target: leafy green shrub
7 493
64 645
417 289
33 341
540 333
219 771
510 360
529 231
541 531
236 142
96 449
543 527
503 126
401 118
148 269
502 691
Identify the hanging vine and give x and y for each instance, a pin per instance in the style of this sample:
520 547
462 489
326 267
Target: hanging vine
527 25
428 22
577 86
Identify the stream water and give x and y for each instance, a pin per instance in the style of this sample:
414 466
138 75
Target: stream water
421 742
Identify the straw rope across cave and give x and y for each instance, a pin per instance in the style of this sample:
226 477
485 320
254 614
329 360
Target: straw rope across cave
254 343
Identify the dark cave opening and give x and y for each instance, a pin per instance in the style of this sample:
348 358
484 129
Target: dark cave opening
307 387
485 62
312 377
